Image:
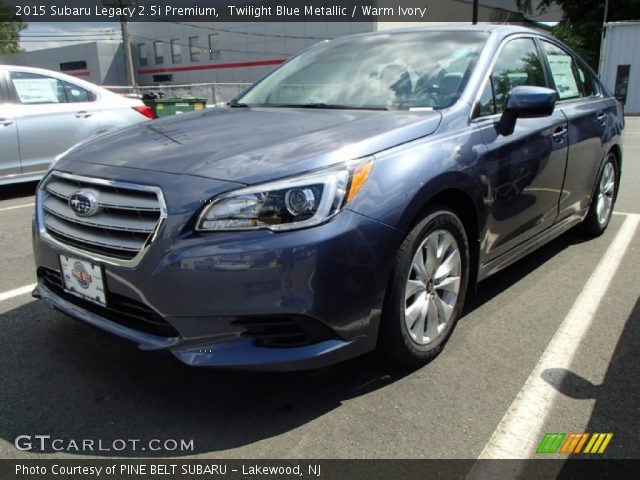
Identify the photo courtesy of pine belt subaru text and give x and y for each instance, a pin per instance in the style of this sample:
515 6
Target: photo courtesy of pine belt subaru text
348 201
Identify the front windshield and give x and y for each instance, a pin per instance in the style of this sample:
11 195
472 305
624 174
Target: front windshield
386 71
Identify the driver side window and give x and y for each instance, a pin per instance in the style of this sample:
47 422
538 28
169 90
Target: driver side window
518 64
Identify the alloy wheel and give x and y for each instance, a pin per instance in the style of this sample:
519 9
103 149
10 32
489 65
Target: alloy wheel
432 287
606 193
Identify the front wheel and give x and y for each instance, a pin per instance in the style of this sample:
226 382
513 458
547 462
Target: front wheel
426 290
604 197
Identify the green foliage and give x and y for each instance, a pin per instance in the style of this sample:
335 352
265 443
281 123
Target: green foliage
10 28
583 37
581 24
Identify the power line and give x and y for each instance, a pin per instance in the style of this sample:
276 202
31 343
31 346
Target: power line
205 49
87 40
71 35
256 34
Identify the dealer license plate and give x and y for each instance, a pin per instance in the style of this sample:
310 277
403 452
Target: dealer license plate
83 279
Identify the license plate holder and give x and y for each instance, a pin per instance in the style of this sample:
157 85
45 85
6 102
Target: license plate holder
83 279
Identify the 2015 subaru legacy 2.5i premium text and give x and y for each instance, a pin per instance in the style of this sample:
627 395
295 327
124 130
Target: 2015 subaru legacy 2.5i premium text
347 201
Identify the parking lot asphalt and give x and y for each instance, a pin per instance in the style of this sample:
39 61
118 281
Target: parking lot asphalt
65 379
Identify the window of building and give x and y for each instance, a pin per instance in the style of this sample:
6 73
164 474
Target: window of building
70 66
142 54
214 49
32 88
158 52
176 51
163 77
518 64
564 72
622 82
194 48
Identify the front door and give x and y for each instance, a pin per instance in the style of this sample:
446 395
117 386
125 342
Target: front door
522 172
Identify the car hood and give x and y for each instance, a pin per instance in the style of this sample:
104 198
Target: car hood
252 145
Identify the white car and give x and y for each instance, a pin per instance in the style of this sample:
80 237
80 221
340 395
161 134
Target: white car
43 113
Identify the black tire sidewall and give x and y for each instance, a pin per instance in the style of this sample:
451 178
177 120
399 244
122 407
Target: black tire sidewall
395 334
591 224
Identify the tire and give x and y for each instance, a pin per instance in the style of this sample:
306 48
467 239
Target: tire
422 305
604 198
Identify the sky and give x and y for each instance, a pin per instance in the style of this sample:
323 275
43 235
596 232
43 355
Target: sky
39 35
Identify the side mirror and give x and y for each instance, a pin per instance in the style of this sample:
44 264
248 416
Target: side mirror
526 102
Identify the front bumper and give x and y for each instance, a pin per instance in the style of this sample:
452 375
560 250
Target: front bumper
255 300
239 352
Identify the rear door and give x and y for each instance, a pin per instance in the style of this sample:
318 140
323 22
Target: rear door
52 115
10 156
589 115
522 172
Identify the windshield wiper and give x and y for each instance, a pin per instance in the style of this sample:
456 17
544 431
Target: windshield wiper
234 103
322 105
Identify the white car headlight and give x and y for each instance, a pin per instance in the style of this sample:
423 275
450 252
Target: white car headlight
293 203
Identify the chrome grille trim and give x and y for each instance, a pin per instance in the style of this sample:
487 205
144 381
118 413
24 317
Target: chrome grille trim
129 221
108 200
60 208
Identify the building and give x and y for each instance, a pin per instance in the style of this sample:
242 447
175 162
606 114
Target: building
620 65
101 63
174 52
178 53
185 52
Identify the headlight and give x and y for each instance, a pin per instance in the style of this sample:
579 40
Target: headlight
288 204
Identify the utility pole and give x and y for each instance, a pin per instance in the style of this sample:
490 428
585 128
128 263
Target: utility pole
604 29
475 12
126 42
128 55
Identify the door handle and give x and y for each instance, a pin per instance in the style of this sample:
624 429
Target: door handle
83 114
559 133
602 118
5 122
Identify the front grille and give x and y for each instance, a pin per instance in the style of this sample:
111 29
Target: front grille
127 216
119 309
285 331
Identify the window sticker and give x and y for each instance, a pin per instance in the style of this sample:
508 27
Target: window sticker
36 90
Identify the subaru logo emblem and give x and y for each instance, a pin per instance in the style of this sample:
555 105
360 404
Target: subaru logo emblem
83 203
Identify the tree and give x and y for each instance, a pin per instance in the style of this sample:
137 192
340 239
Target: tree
10 27
581 24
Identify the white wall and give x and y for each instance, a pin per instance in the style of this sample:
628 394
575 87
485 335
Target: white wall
105 62
622 47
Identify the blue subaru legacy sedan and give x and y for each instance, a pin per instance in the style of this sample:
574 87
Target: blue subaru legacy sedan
348 201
